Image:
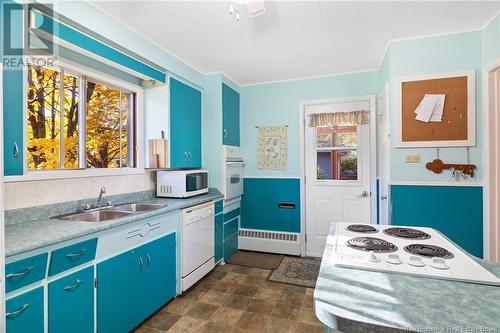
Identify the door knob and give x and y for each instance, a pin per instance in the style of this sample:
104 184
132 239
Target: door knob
383 197
363 194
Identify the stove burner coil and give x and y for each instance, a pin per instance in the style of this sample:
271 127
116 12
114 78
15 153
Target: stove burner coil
364 228
429 251
407 233
371 244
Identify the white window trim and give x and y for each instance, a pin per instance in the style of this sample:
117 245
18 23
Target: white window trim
29 175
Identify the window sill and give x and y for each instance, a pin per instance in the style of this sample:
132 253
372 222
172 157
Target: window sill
70 174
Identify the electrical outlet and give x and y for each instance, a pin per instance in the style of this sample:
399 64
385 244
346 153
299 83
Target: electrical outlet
412 158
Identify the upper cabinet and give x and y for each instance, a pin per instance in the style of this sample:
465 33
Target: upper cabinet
230 116
185 126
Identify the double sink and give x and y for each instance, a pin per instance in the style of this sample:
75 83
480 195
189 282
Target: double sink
110 213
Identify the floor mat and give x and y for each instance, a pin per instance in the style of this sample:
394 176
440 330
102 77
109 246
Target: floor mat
298 271
256 259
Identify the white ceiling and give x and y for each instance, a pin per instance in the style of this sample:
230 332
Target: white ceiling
293 39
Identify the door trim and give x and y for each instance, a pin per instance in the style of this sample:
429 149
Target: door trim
373 157
385 92
491 191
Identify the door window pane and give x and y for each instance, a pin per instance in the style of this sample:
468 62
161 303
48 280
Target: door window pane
336 152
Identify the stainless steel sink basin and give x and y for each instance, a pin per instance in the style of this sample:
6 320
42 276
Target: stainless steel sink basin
95 216
136 207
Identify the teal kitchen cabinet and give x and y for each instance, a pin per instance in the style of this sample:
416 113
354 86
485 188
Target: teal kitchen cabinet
230 233
230 116
72 256
185 126
13 95
219 236
134 284
24 313
71 303
23 272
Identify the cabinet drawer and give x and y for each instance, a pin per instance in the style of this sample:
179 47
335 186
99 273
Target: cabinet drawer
218 207
231 215
72 256
230 247
230 228
71 303
24 272
24 313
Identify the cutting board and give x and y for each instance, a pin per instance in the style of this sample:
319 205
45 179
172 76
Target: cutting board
158 153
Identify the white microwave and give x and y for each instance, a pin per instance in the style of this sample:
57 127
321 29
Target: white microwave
181 183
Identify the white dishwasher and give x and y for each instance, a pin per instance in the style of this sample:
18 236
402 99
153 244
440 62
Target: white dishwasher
197 243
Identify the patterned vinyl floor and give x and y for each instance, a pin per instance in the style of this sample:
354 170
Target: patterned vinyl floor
238 299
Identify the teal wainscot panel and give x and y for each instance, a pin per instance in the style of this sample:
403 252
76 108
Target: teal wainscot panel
456 211
271 204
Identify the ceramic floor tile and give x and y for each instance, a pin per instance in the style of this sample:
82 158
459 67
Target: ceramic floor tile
279 325
286 311
226 286
234 277
187 325
245 290
180 305
223 268
291 297
144 329
162 320
211 327
237 302
296 289
308 301
241 269
253 280
267 296
196 293
214 297
273 287
307 328
207 283
252 321
307 316
202 311
226 316
261 306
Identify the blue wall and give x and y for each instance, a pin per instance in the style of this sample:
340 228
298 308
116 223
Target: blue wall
259 206
455 211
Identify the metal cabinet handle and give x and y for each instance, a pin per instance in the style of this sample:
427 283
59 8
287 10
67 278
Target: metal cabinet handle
141 264
148 257
23 273
190 155
16 151
185 156
72 255
73 286
225 132
17 312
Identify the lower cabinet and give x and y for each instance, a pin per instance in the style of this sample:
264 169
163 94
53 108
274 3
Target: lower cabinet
230 247
24 313
219 236
132 285
71 303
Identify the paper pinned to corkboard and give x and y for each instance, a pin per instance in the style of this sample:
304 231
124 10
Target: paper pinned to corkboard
272 148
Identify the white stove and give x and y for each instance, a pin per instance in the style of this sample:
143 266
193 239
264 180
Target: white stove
406 250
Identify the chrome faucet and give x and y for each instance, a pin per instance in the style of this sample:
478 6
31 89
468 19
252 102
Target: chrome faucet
99 198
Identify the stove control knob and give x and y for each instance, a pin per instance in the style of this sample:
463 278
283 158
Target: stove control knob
439 263
416 261
393 258
372 257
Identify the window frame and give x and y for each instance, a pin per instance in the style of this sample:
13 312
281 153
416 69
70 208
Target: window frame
94 75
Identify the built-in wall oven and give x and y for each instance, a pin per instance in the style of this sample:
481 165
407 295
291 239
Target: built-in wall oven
233 167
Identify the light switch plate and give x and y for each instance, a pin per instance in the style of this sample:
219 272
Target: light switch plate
412 158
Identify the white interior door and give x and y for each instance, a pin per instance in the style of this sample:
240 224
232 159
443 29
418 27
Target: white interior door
337 174
384 166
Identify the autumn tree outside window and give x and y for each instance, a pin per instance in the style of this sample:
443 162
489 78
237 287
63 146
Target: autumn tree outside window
76 122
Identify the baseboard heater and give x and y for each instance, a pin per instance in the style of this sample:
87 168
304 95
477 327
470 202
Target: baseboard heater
269 241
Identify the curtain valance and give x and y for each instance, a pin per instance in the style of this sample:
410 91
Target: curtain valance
338 118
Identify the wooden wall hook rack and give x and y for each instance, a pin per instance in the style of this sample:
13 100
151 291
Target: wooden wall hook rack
437 166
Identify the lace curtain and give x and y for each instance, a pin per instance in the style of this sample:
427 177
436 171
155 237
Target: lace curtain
338 118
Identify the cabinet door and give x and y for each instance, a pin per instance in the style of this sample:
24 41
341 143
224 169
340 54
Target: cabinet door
13 105
24 313
159 276
118 291
219 239
71 303
230 116
185 125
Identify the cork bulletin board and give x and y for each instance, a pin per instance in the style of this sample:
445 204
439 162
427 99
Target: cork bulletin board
457 125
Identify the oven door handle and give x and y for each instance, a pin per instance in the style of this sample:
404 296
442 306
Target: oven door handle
235 163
